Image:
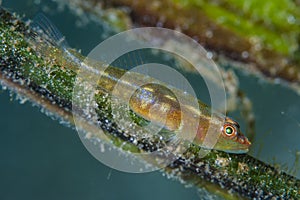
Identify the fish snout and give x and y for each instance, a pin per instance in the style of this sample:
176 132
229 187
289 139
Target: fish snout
244 140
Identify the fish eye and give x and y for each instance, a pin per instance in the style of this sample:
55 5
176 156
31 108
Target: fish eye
229 130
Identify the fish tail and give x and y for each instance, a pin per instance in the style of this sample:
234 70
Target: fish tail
46 39
45 28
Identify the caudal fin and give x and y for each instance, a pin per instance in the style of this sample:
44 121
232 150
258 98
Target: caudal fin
45 29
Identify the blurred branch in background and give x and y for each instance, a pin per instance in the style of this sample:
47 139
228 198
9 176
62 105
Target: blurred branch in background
258 37
231 176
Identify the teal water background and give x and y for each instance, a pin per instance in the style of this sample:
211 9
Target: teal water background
41 159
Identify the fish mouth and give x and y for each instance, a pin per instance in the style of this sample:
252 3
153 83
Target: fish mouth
237 151
245 145
241 147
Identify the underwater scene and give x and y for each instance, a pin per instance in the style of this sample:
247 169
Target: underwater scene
171 99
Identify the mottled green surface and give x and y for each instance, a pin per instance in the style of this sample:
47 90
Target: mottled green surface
240 174
274 23
30 65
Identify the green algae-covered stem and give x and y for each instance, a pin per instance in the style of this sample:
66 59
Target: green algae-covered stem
50 85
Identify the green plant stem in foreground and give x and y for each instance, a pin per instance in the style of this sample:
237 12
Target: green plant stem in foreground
50 85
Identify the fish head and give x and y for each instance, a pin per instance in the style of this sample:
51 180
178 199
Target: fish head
231 139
